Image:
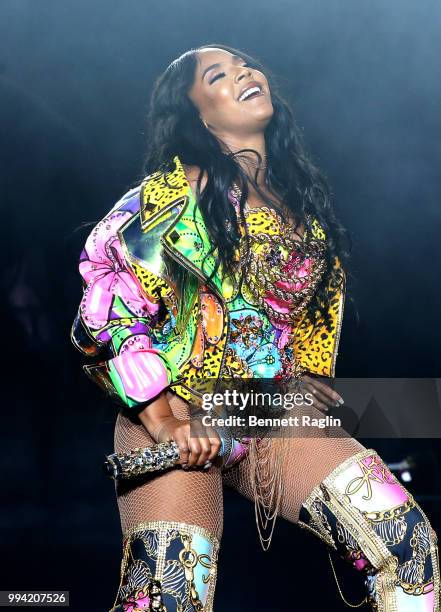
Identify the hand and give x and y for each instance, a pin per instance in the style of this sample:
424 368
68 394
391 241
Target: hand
196 450
324 396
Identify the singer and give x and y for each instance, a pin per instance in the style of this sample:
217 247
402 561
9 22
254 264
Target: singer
227 260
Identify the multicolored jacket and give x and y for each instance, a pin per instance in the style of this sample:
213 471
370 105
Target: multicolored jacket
150 317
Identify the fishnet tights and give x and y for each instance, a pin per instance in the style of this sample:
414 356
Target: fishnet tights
195 496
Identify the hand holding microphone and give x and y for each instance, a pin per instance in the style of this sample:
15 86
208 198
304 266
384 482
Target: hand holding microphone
167 454
197 448
179 442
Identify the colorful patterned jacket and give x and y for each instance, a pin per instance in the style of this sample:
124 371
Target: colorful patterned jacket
150 318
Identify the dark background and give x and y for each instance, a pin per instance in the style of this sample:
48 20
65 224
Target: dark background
75 78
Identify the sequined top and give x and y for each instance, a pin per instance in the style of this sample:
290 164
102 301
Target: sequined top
278 283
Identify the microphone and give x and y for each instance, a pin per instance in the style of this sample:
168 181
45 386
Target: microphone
159 457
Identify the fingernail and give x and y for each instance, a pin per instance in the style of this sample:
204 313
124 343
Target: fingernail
341 401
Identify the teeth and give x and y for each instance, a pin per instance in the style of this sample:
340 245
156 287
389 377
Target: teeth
248 93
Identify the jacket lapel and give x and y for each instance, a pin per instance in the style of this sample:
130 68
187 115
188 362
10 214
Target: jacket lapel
186 236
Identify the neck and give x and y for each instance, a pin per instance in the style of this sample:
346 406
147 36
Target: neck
248 160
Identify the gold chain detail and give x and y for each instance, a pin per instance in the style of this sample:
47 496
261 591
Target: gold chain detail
268 275
189 559
126 548
267 483
261 273
365 600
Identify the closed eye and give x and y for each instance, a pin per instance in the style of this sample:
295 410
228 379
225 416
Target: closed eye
218 76
222 74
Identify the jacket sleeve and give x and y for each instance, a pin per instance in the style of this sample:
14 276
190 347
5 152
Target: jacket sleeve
116 318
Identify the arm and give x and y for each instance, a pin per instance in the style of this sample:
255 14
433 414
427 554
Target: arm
116 318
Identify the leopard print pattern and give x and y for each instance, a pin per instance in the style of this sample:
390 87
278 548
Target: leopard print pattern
260 221
199 376
153 286
192 374
315 348
235 367
159 190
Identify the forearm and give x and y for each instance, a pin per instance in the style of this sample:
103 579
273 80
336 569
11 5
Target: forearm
156 412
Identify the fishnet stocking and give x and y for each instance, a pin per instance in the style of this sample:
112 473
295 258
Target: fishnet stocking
306 461
193 496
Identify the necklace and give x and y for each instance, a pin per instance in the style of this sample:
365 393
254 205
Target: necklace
280 270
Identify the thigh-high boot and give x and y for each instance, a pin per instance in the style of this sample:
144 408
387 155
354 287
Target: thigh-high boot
363 512
167 566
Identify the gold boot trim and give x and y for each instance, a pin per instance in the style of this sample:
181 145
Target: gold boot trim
385 587
186 528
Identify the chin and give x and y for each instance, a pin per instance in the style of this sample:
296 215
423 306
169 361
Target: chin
265 115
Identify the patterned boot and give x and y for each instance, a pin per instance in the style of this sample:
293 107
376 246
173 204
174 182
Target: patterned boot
362 511
167 567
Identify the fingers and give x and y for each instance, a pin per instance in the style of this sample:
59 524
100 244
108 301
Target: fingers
200 447
331 396
214 441
319 399
184 449
319 404
197 446
215 446
199 452
319 396
324 396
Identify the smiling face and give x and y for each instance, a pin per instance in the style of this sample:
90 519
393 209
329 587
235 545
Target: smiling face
220 79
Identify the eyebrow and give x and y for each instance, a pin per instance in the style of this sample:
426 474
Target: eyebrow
235 59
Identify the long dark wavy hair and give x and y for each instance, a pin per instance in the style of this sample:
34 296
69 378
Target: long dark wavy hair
175 128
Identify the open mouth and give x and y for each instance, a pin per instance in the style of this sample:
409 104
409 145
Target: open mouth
252 92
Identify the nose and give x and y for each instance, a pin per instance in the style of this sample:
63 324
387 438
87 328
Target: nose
243 71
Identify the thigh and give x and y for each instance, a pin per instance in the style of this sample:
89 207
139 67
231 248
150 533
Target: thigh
193 496
304 461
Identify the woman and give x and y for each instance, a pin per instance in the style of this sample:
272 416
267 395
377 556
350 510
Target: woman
228 261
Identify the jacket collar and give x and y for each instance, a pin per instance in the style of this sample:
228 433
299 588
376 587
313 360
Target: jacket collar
186 237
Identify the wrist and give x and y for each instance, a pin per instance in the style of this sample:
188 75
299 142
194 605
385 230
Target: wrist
155 412
154 424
